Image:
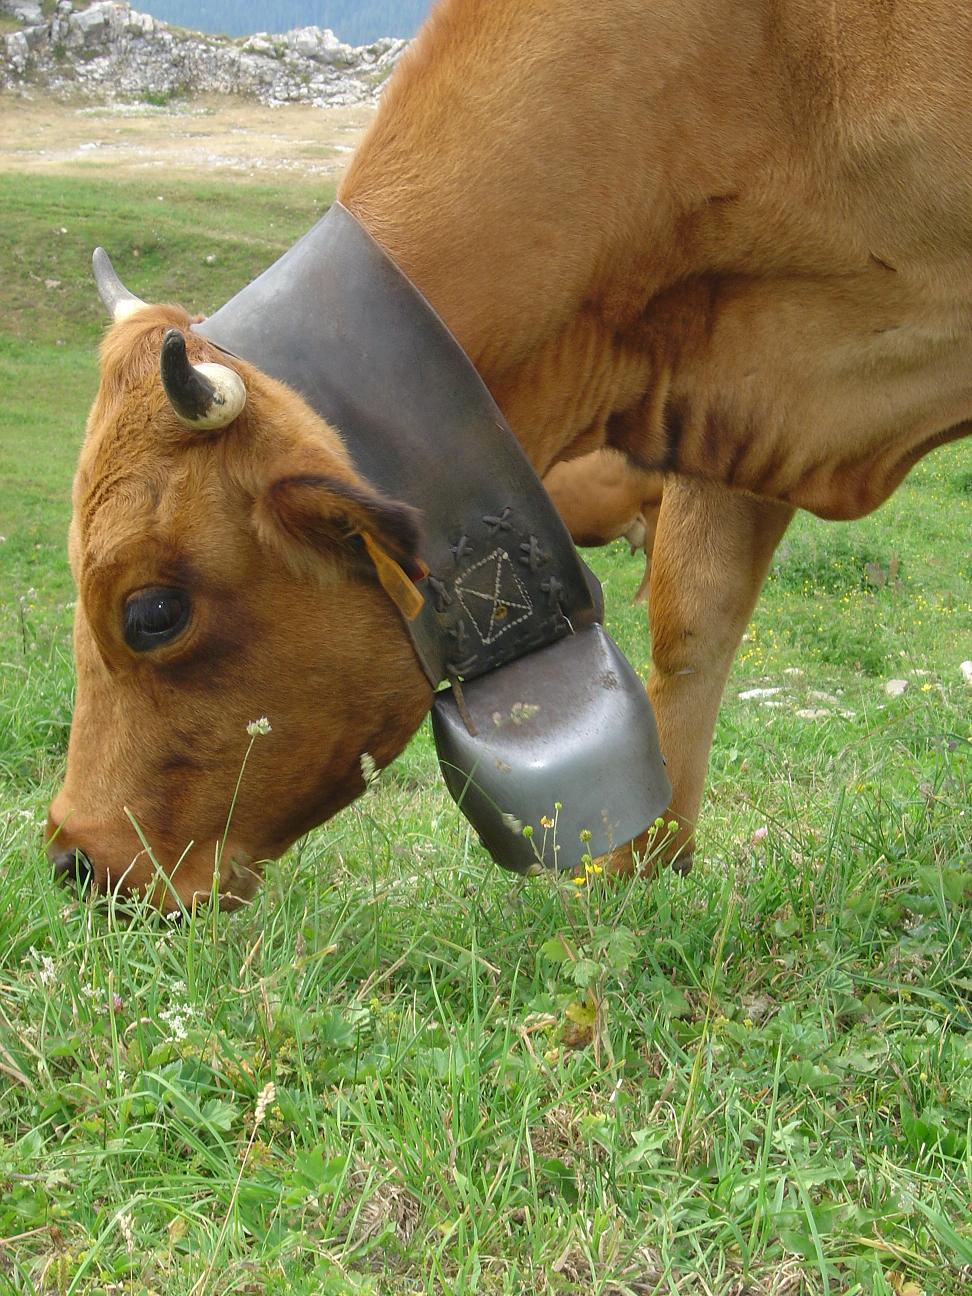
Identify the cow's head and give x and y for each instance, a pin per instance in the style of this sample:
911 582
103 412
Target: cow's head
230 565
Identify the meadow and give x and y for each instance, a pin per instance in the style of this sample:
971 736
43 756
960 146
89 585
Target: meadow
404 1071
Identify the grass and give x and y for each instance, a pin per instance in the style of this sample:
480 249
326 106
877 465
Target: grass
756 1079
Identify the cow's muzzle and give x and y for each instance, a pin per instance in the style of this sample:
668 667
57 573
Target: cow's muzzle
73 866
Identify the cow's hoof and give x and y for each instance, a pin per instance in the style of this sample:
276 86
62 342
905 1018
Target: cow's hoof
646 860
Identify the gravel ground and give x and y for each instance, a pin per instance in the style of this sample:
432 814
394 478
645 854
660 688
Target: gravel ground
223 135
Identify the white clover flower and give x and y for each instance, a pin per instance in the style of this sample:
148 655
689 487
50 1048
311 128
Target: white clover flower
258 728
178 1018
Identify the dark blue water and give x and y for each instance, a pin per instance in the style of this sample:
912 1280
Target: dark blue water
356 21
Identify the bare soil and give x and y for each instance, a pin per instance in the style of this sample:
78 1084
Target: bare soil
218 135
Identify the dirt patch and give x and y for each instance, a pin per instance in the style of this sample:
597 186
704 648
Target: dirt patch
212 136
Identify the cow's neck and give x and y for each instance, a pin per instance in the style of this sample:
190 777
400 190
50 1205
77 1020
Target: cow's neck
717 271
497 177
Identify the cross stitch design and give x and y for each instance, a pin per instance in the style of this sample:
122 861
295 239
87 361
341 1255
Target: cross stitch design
493 596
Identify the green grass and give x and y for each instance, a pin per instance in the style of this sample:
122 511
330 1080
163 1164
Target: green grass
758 1078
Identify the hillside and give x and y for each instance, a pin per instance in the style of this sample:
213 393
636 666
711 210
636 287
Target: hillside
111 52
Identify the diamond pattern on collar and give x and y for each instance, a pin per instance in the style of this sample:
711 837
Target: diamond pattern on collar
493 596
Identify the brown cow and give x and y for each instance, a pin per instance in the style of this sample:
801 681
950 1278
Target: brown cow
732 241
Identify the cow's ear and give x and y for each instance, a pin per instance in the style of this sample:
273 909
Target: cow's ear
315 516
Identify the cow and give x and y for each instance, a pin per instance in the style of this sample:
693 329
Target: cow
729 241
602 497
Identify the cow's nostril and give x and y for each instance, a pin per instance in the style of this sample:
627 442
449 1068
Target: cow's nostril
73 866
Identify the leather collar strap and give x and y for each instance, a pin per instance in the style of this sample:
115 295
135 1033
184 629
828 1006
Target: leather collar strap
336 320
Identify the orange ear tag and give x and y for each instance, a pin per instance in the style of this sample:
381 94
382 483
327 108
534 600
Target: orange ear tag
395 583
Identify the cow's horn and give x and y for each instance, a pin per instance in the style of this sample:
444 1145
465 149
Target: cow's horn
204 396
119 302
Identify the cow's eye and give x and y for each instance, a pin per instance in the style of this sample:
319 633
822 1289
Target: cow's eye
154 616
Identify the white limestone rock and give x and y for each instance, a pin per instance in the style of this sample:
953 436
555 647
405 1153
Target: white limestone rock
261 43
26 11
90 27
17 52
36 37
111 52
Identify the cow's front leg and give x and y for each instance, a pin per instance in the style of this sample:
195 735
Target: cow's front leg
712 550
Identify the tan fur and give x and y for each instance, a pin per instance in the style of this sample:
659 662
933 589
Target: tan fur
738 252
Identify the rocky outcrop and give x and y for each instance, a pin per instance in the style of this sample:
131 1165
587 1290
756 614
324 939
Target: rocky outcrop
109 51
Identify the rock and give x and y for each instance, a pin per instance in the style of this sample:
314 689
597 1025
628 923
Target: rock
816 696
306 41
966 669
260 43
140 24
110 52
896 687
749 694
36 37
25 11
90 27
17 52
336 53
